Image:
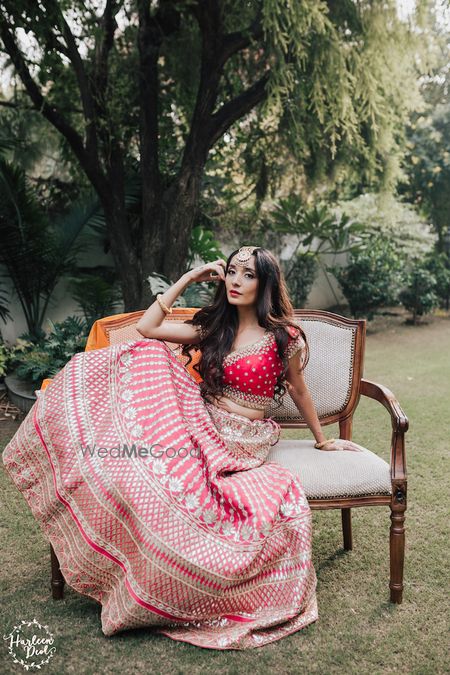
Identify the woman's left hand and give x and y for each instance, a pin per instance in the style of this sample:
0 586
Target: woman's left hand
342 444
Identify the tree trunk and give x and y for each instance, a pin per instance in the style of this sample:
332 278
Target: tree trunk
127 263
166 243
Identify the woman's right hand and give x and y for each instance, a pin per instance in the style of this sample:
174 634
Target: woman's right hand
203 273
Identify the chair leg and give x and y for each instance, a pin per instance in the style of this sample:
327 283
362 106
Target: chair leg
347 528
397 542
57 583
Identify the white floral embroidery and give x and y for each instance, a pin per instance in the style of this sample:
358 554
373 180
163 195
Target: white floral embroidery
210 516
192 501
126 378
227 528
130 413
287 509
247 531
127 395
126 358
176 484
137 431
159 466
265 529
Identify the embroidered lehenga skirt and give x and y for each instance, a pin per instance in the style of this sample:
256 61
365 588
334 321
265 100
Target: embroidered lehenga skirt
161 506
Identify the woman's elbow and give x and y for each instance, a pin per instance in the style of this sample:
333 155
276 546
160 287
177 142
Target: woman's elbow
142 330
297 390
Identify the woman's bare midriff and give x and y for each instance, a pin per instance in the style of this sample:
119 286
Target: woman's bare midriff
232 406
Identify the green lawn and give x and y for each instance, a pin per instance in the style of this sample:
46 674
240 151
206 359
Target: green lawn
358 630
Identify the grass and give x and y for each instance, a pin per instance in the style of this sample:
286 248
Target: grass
358 629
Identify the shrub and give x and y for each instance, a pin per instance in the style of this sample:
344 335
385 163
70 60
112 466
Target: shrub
45 357
372 276
96 296
10 354
436 263
300 277
419 296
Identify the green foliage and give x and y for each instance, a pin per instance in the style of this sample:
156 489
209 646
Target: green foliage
428 166
96 296
195 295
341 81
438 265
317 230
342 85
9 355
46 356
371 277
202 245
419 295
384 214
302 272
36 251
4 310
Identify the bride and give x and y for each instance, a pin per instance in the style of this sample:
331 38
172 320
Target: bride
154 489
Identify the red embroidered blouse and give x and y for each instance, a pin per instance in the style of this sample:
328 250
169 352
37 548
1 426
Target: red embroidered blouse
251 372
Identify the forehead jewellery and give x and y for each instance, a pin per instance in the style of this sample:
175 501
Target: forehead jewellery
241 258
243 255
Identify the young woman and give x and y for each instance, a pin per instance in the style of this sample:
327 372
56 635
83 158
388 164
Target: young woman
155 491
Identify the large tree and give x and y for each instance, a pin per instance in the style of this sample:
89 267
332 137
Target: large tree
427 161
324 84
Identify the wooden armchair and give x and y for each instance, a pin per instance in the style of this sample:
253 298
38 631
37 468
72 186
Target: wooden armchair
332 480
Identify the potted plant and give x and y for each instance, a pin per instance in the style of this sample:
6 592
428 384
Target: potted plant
43 358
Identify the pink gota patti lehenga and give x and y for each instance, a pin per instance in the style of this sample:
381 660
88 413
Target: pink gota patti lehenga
193 534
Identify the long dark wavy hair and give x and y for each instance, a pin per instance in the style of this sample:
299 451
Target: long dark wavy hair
218 323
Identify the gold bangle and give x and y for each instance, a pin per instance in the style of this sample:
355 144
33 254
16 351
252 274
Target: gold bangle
165 309
320 445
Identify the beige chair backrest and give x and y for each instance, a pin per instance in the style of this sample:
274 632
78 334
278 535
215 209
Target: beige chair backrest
334 369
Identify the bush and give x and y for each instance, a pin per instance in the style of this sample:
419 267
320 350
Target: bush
45 357
419 296
371 278
96 296
300 277
9 355
436 263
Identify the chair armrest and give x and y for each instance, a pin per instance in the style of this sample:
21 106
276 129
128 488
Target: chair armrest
400 424
386 397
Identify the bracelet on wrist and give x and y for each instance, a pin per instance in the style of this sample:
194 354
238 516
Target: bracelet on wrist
165 309
320 445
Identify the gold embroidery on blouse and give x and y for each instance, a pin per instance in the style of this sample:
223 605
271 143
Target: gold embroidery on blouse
247 350
255 401
296 345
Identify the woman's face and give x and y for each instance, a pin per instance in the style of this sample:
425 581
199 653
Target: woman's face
244 281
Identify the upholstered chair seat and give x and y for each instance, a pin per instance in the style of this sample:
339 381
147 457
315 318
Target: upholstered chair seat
333 474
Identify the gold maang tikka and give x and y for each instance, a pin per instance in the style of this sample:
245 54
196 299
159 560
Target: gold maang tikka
241 258
243 255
